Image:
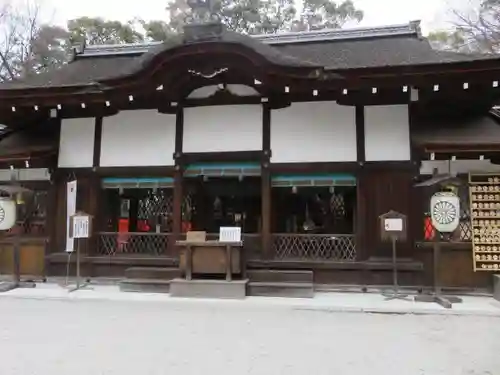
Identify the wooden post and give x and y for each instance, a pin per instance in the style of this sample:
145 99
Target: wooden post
177 209
266 183
266 213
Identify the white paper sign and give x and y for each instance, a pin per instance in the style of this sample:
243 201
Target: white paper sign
81 226
230 234
70 211
393 225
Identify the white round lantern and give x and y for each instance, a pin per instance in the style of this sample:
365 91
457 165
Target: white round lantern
445 211
7 213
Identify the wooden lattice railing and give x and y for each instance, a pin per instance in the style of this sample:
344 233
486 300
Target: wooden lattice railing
334 247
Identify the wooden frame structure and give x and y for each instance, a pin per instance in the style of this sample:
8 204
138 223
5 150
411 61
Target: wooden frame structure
163 76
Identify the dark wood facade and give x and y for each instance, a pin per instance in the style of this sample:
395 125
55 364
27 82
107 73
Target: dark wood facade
381 186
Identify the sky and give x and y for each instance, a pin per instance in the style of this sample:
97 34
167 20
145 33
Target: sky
434 14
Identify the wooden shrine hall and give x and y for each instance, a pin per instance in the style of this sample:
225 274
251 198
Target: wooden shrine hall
300 139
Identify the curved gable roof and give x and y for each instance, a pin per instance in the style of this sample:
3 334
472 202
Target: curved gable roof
349 49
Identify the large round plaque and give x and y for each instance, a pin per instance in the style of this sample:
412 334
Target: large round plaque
445 211
7 213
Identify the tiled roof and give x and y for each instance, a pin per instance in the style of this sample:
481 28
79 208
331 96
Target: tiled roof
388 46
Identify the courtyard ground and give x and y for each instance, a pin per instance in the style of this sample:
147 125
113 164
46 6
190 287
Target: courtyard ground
156 336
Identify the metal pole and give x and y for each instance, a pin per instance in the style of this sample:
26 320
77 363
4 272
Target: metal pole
394 266
77 263
17 261
395 294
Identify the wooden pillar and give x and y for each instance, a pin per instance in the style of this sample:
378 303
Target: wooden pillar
266 212
94 192
178 181
361 195
266 183
176 209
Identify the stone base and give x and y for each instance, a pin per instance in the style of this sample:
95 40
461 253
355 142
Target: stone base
208 288
145 285
496 287
290 290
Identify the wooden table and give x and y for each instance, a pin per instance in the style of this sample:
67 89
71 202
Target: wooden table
212 257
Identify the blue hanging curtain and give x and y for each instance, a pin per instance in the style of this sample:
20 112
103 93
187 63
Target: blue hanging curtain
131 183
338 179
223 169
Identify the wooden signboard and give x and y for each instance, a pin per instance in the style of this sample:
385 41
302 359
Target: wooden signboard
80 225
393 226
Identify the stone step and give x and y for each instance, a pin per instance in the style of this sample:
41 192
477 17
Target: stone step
276 276
145 285
280 289
160 273
235 289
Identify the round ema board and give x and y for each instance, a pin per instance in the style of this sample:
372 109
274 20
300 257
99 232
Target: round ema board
445 211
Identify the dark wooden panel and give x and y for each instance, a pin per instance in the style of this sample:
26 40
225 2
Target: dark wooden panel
381 191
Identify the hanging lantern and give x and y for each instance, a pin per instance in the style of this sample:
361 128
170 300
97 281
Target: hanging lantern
445 211
8 213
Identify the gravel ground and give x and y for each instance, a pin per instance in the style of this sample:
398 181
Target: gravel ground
122 338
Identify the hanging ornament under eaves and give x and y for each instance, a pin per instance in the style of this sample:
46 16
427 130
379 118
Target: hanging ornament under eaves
445 211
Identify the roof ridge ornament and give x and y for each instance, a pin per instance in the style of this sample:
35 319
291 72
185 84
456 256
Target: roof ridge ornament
201 12
202 22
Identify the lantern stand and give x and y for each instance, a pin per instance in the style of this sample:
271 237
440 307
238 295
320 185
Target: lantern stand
13 192
436 296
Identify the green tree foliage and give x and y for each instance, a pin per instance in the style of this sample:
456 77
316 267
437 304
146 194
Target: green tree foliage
27 46
100 31
271 16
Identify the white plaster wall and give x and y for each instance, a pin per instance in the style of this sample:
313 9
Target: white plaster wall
138 138
76 143
313 132
387 133
223 128
206 91
458 166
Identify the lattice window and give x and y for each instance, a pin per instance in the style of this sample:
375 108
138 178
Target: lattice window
155 205
31 214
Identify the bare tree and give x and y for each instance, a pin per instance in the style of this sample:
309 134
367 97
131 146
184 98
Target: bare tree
476 29
26 45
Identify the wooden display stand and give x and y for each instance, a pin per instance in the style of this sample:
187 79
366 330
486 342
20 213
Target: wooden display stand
484 192
206 259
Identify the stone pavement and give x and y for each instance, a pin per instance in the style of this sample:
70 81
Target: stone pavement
332 302
46 331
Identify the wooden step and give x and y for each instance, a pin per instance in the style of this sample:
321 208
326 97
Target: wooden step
280 289
276 276
160 273
145 285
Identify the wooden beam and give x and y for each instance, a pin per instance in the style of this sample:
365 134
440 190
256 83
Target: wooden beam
229 156
96 160
360 134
